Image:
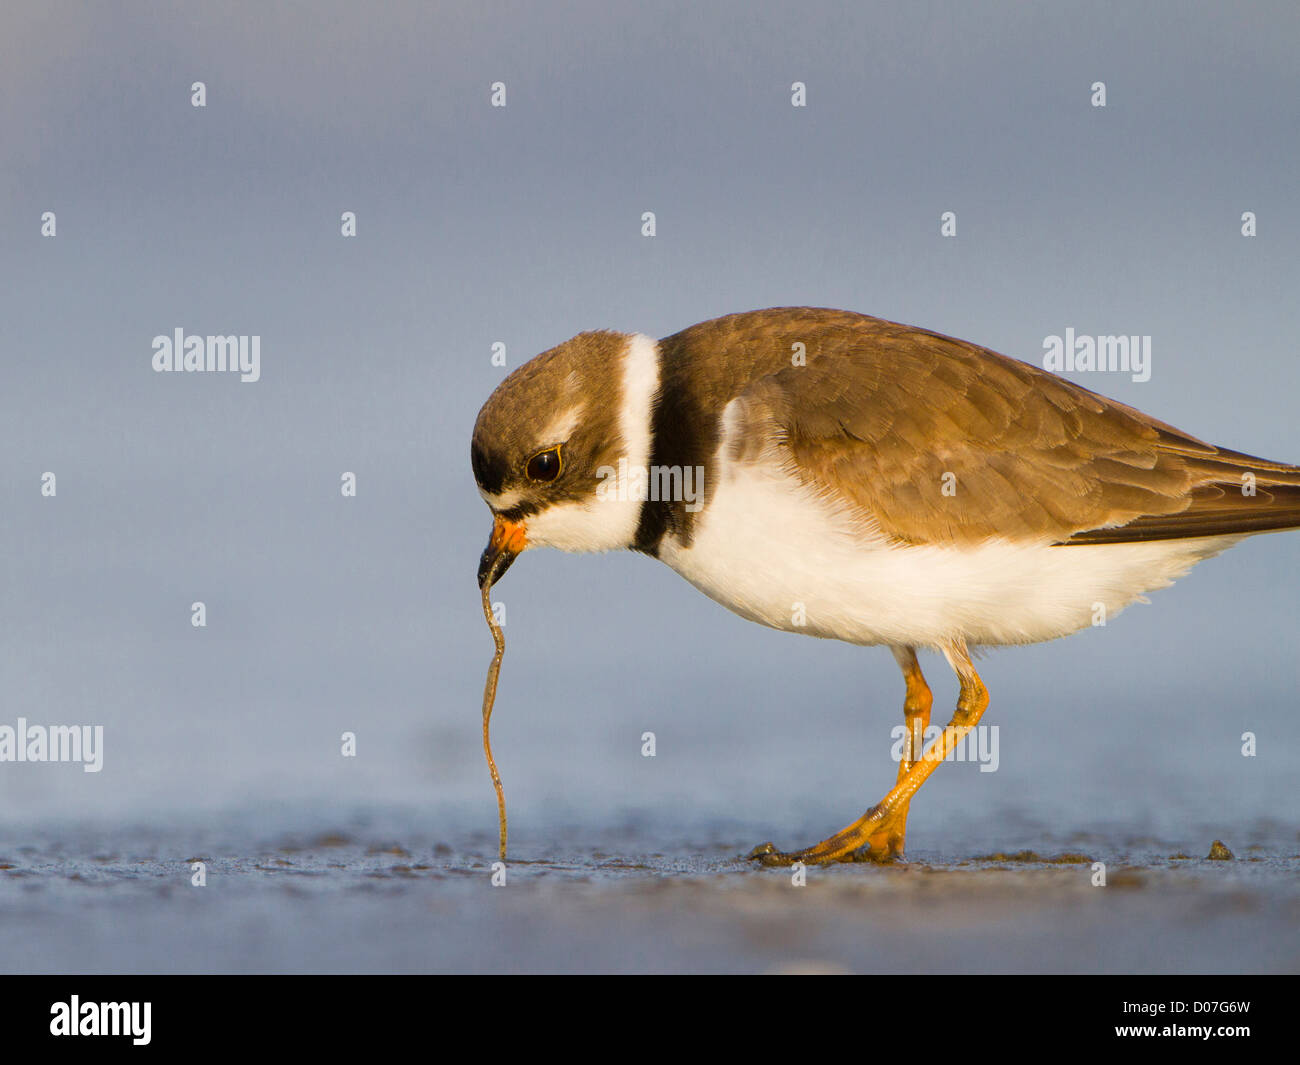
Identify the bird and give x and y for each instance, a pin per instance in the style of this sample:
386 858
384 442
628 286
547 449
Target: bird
837 475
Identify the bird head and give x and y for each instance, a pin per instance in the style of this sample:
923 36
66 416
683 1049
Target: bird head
547 447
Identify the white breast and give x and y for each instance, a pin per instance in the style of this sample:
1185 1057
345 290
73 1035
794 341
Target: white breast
775 552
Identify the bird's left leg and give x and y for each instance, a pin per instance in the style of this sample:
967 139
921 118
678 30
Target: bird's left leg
972 701
886 842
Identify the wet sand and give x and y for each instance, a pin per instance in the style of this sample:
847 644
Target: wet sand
375 892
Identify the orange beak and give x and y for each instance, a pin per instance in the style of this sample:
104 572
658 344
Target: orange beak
507 540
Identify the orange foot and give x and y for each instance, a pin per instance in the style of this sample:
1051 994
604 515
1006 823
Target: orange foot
877 836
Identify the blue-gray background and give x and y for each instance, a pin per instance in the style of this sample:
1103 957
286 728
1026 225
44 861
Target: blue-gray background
522 225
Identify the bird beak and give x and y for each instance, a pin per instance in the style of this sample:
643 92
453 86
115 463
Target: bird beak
507 540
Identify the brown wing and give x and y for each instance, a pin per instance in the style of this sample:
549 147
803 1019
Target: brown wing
882 414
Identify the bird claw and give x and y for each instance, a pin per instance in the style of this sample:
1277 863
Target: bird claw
767 854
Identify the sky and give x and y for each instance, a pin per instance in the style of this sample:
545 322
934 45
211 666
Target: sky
522 225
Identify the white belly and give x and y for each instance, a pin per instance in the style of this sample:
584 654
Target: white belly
773 552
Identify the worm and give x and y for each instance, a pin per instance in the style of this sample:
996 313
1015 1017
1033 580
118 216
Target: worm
489 697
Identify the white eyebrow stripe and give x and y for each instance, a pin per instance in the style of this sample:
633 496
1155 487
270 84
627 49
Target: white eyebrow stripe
563 426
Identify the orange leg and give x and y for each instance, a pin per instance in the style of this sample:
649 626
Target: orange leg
887 841
882 829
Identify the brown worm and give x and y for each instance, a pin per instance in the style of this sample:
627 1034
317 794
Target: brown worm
489 697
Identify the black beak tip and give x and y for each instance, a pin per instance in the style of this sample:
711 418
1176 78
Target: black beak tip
493 564
485 568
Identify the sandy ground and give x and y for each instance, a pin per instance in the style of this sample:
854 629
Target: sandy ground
373 892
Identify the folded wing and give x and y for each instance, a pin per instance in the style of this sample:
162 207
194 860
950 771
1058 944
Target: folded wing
934 440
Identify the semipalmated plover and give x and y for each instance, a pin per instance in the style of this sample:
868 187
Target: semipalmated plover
833 474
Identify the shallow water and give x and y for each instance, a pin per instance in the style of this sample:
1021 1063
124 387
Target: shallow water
375 890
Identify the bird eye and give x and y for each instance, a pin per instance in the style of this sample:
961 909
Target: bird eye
544 466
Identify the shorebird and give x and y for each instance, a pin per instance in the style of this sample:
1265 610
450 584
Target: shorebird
833 474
